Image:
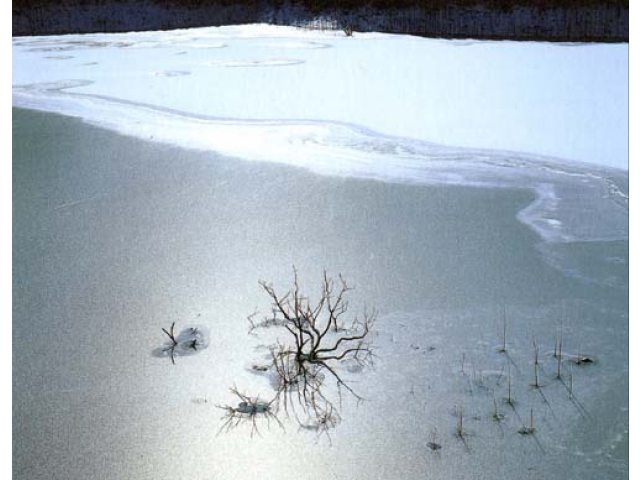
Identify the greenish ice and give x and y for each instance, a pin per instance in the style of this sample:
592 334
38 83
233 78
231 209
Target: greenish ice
115 238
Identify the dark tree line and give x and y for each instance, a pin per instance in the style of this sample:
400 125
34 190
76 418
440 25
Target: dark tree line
575 20
337 4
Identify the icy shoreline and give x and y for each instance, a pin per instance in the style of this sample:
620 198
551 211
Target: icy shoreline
342 150
52 74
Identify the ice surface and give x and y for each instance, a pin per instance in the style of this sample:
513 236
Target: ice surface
117 237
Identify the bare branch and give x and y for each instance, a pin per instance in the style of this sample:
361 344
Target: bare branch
319 343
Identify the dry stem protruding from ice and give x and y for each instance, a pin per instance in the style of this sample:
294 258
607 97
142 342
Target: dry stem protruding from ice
248 410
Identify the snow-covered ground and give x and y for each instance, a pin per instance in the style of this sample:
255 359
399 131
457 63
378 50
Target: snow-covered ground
374 105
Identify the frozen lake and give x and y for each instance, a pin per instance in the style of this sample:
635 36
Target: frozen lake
113 243
200 162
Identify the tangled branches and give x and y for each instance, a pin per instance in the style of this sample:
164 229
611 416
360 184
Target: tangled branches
319 339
